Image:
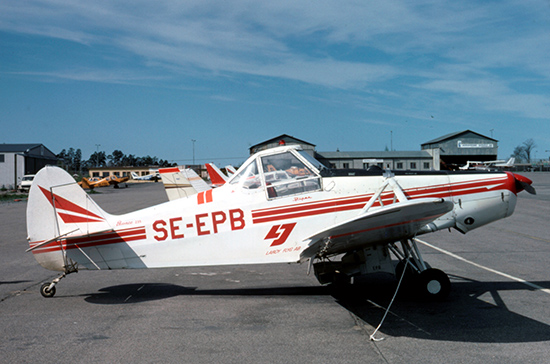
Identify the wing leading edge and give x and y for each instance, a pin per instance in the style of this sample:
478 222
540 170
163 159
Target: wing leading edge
402 220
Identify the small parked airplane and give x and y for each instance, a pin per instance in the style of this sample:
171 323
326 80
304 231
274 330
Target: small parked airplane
179 183
489 165
230 170
102 182
344 223
216 176
150 177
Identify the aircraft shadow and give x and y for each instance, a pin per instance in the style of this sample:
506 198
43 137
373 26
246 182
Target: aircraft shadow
144 292
14 282
474 311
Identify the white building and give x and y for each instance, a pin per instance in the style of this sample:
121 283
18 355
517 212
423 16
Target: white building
17 160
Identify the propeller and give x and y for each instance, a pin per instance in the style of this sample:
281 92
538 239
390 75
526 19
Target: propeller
524 183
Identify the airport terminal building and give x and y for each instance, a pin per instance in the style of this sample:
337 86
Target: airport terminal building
445 152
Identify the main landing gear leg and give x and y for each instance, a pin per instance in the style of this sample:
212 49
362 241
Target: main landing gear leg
432 284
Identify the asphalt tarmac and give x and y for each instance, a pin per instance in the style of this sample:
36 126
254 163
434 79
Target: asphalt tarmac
498 310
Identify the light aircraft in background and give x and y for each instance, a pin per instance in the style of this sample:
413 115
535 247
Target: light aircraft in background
344 224
179 183
217 178
150 177
489 165
230 170
94 182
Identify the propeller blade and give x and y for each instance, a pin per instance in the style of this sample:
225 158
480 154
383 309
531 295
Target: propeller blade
524 183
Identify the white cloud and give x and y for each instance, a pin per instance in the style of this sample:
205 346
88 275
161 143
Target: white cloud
463 48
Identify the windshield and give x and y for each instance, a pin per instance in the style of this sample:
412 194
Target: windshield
248 177
286 175
312 160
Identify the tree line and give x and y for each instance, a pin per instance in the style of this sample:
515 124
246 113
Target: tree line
72 161
523 152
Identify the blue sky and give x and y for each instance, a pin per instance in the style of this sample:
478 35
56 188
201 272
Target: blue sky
147 77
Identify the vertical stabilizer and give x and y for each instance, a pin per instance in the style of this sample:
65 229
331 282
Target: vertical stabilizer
59 208
216 176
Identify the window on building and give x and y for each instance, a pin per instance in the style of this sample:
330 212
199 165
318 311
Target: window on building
399 165
2 156
426 165
345 165
413 165
95 174
365 166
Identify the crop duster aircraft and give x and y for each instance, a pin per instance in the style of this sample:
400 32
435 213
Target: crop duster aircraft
281 206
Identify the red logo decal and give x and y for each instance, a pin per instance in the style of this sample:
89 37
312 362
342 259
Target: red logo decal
280 233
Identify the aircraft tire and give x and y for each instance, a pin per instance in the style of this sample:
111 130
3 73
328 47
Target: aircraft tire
45 292
434 284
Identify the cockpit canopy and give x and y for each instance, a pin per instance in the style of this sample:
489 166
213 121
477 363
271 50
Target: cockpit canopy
282 172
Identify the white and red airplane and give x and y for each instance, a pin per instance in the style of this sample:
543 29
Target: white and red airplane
281 206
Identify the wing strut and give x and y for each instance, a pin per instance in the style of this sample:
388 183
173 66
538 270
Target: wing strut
389 181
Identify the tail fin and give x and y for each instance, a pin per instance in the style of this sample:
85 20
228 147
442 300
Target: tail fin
216 176
230 170
57 208
196 181
175 183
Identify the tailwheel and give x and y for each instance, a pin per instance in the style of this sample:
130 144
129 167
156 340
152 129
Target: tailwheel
47 291
434 284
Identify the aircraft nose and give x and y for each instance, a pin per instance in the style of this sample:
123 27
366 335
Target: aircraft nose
523 183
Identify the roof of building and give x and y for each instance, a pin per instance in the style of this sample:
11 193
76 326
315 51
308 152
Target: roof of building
376 154
17 148
284 137
29 150
454 135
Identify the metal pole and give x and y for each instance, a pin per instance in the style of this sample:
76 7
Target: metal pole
193 140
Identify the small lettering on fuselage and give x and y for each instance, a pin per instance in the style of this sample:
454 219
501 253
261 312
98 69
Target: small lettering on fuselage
204 224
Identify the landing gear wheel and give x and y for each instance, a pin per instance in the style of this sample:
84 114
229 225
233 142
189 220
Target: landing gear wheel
434 284
46 291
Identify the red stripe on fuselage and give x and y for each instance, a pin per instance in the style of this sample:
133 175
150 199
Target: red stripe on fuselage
358 202
97 239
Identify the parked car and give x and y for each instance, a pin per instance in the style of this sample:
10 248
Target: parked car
26 182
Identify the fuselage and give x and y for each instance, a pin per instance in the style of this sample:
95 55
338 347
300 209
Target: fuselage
237 224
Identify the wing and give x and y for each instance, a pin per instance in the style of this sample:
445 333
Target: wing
388 224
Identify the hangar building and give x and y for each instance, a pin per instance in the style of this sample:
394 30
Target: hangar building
446 152
17 160
460 147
